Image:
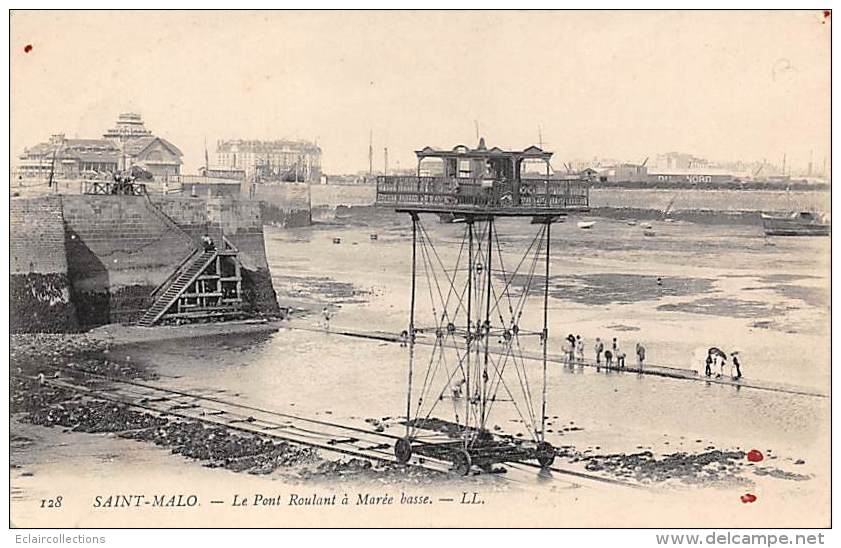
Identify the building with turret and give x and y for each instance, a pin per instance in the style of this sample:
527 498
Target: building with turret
128 143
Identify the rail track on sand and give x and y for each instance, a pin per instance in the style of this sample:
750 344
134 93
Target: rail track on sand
208 407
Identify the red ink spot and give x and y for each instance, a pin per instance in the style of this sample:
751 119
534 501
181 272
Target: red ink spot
747 498
755 456
826 14
27 48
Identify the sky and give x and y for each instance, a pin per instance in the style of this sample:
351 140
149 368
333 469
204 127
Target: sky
625 85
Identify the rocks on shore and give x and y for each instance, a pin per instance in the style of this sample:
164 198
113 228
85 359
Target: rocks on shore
711 466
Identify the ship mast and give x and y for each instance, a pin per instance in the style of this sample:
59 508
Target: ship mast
370 153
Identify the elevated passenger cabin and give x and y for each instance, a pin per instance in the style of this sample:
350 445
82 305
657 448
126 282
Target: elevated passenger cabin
479 331
465 181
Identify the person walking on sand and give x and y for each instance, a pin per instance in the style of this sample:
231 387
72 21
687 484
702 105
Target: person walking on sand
569 351
616 353
608 359
709 363
736 366
620 358
599 348
579 349
325 314
640 355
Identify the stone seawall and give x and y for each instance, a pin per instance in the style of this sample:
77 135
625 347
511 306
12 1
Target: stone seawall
118 251
284 204
113 251
39 285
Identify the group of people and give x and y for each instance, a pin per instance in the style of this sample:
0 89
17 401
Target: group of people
613 356
717 360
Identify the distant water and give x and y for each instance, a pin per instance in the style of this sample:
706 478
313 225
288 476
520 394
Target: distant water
716 200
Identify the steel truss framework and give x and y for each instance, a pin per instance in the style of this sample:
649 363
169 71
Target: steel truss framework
476 304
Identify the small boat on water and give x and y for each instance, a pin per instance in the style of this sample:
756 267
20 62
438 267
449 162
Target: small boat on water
586 225
648 233
631 223
646 226
802 223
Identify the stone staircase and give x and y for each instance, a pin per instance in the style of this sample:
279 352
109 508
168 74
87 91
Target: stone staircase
185 276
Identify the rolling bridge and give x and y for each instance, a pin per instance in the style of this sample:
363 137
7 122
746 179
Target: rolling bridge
475 301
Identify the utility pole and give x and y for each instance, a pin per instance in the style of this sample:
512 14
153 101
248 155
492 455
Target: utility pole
385 161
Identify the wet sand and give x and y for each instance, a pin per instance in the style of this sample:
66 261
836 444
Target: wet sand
650 431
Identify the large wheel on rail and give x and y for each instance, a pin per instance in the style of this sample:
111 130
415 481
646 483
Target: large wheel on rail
545 454
403 450
462 462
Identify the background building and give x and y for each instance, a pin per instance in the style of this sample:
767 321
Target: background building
127 144
281 160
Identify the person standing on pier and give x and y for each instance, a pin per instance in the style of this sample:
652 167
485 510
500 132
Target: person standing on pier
618 354
721 361
599 348
579 349
640 355
736 366
569 350
325 313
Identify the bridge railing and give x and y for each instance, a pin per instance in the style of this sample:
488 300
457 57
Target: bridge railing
474 192
113 187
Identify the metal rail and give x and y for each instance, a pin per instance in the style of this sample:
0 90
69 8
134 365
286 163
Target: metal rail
325 435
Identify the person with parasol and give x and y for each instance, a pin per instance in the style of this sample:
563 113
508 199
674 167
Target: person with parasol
719 358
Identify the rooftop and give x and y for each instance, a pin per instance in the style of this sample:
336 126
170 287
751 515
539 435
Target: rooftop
481 151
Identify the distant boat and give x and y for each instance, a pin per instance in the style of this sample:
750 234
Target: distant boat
646 225
631 223
648 233
803 223
586 224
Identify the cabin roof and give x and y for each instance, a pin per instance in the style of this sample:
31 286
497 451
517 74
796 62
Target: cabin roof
481 151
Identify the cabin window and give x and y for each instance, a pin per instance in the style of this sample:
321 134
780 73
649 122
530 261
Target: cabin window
464 168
